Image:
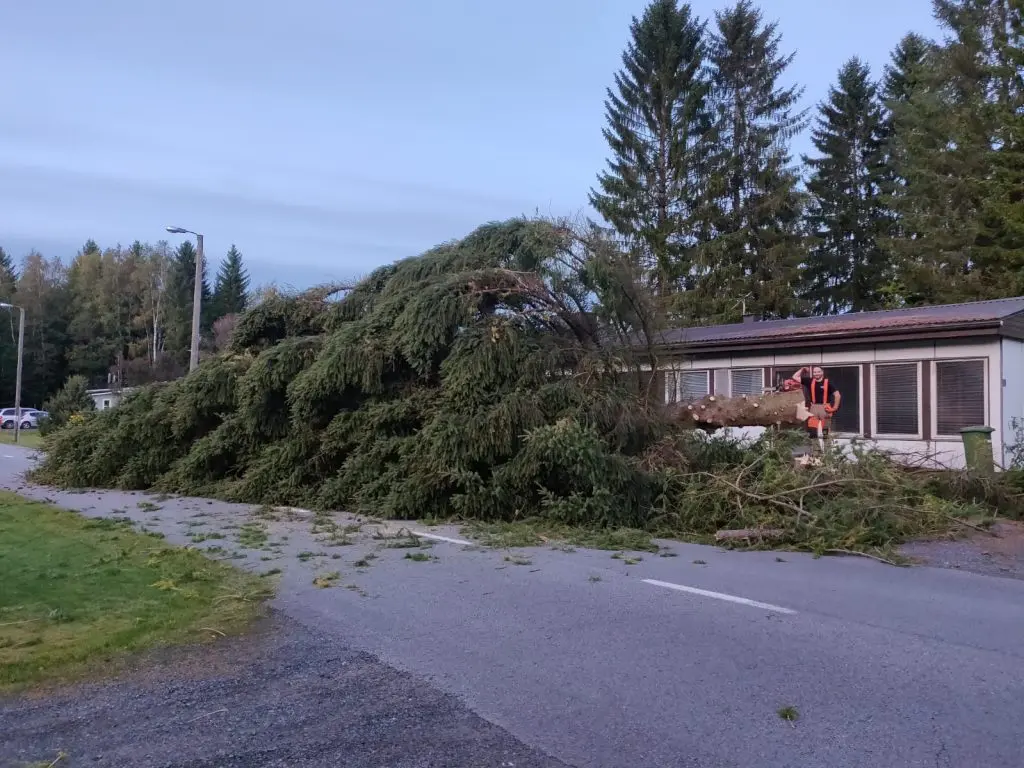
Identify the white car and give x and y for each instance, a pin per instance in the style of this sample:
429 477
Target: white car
29 418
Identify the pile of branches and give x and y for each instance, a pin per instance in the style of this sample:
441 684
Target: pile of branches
499 377
754 493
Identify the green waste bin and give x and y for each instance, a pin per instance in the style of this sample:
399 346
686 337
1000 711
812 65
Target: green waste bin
978 449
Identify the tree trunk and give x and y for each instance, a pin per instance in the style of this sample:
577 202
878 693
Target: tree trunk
786 409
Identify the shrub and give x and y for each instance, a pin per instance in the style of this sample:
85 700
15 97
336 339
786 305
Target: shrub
71 401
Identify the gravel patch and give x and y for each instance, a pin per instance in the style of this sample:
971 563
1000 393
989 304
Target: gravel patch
1001 554
283 696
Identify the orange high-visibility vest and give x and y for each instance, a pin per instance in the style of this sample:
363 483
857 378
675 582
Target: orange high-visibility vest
813 422
824 386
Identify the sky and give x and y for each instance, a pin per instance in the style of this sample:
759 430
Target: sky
327 137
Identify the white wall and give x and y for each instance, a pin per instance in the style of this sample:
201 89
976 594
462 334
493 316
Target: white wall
1005 361
1012 389
104 400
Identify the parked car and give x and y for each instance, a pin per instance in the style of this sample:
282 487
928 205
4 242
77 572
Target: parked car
29 418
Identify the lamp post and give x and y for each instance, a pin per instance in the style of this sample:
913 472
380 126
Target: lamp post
17 376
197 295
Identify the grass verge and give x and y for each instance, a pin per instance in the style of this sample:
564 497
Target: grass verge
76 592
27 438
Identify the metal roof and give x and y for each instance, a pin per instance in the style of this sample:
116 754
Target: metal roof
971 315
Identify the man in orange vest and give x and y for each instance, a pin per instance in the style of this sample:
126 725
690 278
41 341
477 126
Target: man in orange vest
821 397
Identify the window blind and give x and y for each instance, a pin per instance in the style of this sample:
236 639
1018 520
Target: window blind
896 399
691 385
747 381
959 396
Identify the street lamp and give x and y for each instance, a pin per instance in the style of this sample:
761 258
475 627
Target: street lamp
17 376
197 295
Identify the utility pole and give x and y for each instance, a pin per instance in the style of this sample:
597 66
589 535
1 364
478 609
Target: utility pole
17 375
197 295
197 301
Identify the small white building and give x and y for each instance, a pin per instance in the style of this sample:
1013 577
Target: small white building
910 379
106 399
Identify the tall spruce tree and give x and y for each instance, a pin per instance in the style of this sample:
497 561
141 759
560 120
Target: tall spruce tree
8 276
905 70
92 343
657 124
755 205
8 331
1002 213
904 76
846 267
955 149
181 285
42 291
231 288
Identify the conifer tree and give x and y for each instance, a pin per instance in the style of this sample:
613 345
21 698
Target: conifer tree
905 69
181 286
42 291
93 344
8 276
8 334
846 267
656 128
905 75
954 149
754 203
230 292
1002 214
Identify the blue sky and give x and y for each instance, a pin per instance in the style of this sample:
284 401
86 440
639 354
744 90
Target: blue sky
325 137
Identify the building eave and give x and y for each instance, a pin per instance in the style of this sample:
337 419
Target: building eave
838 338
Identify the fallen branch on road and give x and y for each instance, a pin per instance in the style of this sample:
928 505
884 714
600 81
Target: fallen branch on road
854 553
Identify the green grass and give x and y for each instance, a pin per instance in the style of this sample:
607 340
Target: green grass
76 593
789 714
252 536
28 438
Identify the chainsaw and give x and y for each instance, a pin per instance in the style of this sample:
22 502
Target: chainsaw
792 385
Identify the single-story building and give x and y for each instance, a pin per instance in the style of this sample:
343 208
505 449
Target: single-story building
106 398
910 379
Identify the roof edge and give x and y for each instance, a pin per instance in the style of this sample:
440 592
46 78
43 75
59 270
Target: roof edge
950 330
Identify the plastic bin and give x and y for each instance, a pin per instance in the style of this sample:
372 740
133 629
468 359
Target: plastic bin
978 449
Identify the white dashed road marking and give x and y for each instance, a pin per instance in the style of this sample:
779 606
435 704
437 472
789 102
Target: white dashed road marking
421 534
442 538
719 596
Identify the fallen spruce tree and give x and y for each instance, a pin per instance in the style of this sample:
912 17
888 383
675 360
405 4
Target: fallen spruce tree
486 379
771 409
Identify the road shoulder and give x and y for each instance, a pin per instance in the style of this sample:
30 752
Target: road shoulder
283 696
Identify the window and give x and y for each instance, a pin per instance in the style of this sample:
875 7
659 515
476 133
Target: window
686 386
846 378
747 381
897 399
959 396
106 404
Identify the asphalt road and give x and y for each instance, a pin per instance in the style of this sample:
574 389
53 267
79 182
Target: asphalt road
286 697
660 661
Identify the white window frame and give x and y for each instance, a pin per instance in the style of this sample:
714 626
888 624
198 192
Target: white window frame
934 415
733 371
875 434
674 380
860 399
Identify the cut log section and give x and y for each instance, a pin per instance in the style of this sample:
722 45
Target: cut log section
772 409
